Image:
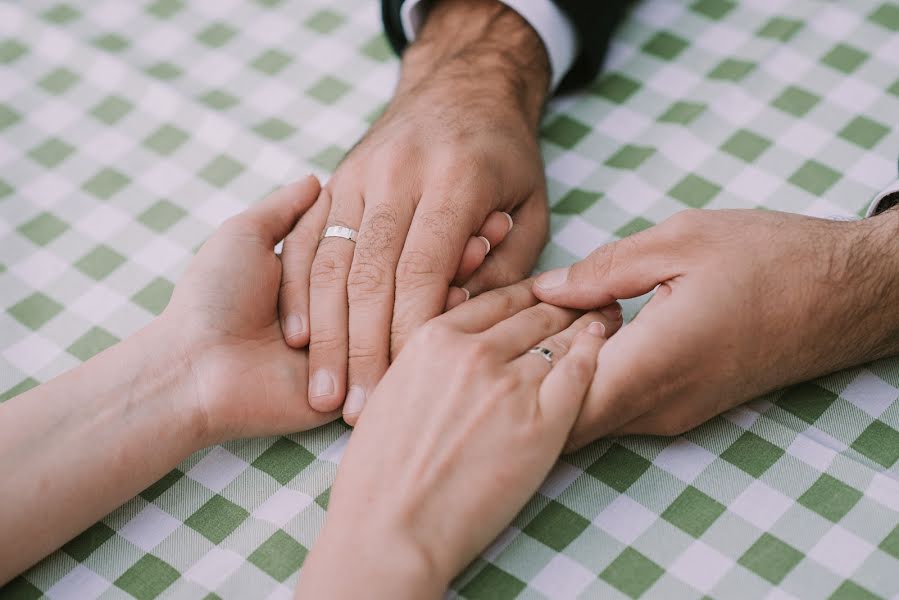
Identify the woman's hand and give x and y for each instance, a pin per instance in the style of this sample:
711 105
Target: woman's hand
224 317
457 436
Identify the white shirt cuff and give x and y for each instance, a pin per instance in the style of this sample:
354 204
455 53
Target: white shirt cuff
551 24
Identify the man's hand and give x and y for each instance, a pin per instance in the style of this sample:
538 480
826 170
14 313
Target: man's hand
747 302
458 142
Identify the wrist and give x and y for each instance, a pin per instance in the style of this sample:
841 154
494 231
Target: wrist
482 49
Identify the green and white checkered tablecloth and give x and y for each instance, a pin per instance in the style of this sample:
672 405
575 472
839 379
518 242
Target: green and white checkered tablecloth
129 130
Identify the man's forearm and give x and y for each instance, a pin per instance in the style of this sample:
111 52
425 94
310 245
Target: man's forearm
484 49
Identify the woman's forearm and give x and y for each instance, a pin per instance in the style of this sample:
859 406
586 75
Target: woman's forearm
77 447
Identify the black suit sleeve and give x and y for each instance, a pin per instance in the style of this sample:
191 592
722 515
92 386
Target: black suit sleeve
593 20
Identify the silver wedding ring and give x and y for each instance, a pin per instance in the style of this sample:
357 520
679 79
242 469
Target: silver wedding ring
543 352
340 231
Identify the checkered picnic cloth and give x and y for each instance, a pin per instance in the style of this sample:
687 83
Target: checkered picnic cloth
129 130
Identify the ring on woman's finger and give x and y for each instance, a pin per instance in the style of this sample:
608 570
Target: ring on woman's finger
543 352
340 231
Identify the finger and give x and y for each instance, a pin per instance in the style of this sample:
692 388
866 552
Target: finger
485 311
277 213
328 311
513 260
624 269
296 264
455 297
565 387
371 295
476 250
519 333
429 259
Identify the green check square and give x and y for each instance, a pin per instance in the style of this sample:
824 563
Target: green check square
830 498
693 511
158 488
106 183
630 157
324 21
100 262
849 590
328 89
166 139
111 42
633 226
216 519
89 540
694 191
880 443
164 70
844 58
165 9
221 170
713 9
161 215
575 202
5 189
894 89
681 112
51 152
556 526
814 177
665 45
216 35
96 340
20 388
271 62
61 14
886 15
565 131
275 129
324 498
780 28
752 454
890 543
21 589
112 109
280 556
631 573
377 48
746 145
492 583
731 69
618 468
155 295
58 81
43 229
615 87
8 117
864 132
807 401
218 99
328 158
284 460
796 101
770 558
35 310
11 50
147 578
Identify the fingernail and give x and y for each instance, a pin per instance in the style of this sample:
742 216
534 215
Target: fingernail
511 222
596 328
486 243
294 325
355 401
613 312
322 384
552 279
467 293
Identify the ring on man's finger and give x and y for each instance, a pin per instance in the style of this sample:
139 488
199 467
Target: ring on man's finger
340 231
543 352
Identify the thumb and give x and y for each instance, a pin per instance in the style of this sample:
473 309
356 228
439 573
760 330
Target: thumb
274 216
624 269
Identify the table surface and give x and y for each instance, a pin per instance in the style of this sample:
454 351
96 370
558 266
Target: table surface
129 130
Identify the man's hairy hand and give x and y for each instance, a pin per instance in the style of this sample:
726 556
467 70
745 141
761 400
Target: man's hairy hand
456 146
747 302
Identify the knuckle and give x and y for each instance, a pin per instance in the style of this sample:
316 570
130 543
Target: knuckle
366 277
326 268
326 340
380 232
364 353
685 223
418 268
433 333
